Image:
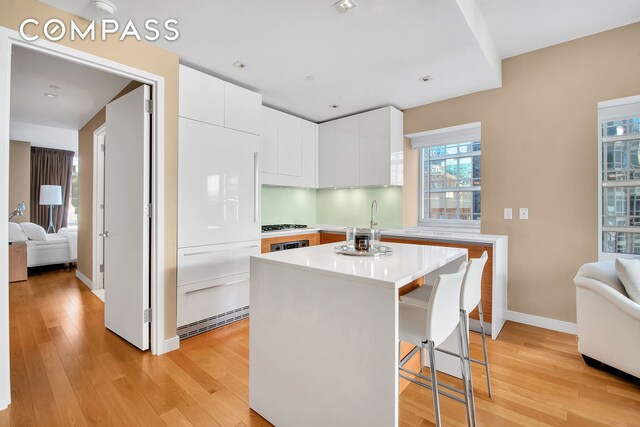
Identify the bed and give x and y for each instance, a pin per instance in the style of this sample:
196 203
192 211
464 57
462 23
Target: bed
43 248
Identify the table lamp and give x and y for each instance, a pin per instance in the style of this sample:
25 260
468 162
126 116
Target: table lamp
51 195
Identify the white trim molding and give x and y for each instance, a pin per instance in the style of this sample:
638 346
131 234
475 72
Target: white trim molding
8 39
84 279
170 344
543 322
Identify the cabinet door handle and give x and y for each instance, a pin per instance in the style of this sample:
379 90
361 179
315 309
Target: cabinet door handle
218 250
217 285
256 186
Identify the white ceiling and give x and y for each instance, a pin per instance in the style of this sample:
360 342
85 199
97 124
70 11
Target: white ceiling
83 90
371 56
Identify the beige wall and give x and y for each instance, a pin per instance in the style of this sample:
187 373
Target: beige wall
85 181
20 177
539 150
147 57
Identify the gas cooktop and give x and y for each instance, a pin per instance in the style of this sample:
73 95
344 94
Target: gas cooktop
278 227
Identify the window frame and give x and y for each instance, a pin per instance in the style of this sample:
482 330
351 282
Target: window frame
616 109
467 133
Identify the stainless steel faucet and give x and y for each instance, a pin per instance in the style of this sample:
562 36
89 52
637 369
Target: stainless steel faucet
374 203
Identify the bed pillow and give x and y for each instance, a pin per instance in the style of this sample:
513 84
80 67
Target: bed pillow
33 231
16 234
629 272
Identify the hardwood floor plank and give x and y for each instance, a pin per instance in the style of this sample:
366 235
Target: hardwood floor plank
66 365
175 418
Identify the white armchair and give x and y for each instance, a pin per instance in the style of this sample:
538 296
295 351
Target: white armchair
608 321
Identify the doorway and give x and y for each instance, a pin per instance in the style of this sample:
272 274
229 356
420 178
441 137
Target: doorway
99 140
10 39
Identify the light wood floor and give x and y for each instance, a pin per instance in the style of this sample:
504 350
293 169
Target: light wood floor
67 369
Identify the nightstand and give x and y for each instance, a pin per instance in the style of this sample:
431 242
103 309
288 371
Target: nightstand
17 261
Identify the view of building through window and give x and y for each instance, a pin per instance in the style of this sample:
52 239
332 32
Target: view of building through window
72 217
451 182
621 186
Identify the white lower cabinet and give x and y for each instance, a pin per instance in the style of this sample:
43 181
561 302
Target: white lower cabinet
202 263
213 285
212 303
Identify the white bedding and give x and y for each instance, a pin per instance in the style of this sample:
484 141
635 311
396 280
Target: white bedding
59 248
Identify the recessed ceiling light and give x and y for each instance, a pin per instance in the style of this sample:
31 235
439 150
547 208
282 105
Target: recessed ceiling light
240 65
334 106
55 87
344 5
106 7
50 95
310 78
426 78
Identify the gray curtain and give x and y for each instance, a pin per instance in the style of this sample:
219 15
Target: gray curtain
50 167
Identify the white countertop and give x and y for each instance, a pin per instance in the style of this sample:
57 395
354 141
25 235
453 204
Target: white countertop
409 233
405 264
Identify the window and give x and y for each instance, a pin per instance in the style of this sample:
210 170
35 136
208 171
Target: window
450 190
619 177
72 217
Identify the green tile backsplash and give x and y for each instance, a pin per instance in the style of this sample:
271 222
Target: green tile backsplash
349 206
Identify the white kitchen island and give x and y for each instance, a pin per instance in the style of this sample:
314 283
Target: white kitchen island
324 333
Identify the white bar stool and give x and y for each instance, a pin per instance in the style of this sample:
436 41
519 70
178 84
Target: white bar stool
470 298
428 327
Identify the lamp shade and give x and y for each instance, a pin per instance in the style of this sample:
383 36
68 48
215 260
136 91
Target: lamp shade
50 195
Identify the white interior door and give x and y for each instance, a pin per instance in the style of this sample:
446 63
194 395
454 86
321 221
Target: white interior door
99 284
126 219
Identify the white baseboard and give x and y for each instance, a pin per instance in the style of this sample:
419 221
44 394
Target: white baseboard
542 322
84 279
170 344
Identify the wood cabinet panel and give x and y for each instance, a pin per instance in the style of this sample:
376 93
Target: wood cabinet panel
475 251
314 239
17 262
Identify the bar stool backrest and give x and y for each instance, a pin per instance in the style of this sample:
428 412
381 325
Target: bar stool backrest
471 286
443 314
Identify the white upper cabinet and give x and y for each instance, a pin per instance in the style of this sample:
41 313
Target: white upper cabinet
210 100
326 155
201 97
242 109
289 145
289 150
347 152
367 150
269 141
309 154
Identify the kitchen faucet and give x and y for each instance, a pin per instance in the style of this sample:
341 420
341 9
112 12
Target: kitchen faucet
374 203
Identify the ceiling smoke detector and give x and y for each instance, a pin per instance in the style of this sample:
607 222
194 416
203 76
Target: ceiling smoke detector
344 5
106 7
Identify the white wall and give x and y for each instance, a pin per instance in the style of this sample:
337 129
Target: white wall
44 136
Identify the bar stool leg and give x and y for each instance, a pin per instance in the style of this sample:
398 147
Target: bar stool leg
484 347
434 383
467 352
422 359
464 369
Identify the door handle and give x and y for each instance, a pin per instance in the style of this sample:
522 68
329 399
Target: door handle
256 186
105 234
216 286
218 250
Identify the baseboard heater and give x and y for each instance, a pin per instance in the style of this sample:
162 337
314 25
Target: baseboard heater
213 322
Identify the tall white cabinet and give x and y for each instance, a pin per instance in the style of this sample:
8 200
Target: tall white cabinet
362 150
218 200
289 150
